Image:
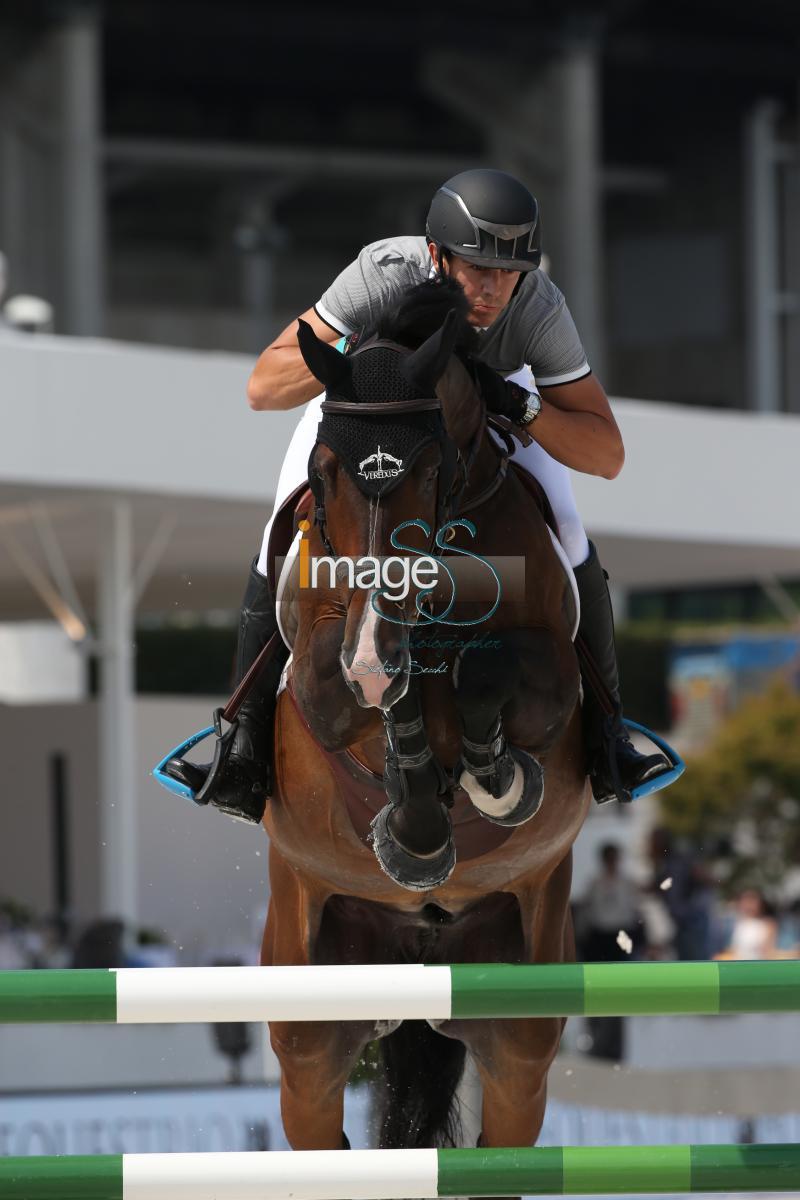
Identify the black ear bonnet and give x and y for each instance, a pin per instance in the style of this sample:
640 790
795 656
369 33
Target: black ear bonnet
377 451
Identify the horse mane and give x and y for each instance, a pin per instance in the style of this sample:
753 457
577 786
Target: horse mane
422 310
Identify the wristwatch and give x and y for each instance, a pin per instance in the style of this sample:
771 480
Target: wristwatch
532 408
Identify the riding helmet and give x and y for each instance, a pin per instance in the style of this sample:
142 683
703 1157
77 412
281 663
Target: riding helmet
488 217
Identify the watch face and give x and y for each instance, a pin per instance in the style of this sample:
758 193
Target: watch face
534 408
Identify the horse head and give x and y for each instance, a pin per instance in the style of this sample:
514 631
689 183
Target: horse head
386 472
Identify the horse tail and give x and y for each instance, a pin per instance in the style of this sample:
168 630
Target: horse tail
422 1070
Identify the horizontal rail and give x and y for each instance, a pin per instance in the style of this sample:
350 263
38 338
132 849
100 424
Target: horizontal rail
404 992
398 1174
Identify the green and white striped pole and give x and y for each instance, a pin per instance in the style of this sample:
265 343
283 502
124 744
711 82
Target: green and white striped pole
404 1174
405 992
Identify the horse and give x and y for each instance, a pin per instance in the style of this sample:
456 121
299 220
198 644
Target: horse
429 785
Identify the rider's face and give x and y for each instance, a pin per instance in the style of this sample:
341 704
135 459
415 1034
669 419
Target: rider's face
488 289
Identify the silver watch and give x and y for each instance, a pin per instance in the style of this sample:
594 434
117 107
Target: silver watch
532 408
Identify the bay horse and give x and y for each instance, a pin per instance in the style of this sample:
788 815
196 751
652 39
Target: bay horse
409 709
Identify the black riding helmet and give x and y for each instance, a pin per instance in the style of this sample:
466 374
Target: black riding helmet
488 217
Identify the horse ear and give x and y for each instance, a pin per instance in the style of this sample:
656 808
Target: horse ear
323 361
425 366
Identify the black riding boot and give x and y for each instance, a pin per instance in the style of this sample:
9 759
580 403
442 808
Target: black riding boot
615 765
243 780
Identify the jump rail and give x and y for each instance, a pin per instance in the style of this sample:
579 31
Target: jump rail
406 992
395 1174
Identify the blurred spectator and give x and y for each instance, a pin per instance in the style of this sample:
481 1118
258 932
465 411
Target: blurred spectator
100 945
12 952
685 889
609 930
609 904
755 931
152 949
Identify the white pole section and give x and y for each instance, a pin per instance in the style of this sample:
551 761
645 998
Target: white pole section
117 716
276 1174
313 993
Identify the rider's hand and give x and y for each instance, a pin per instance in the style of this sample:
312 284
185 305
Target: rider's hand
500 396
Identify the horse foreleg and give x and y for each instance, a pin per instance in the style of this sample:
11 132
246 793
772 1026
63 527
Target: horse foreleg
316 1062
513 1057
315 1058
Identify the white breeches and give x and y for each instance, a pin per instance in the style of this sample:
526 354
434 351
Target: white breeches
553 476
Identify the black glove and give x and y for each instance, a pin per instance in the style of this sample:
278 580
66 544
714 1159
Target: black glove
508 399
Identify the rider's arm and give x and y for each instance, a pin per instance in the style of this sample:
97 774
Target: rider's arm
577 427
280 378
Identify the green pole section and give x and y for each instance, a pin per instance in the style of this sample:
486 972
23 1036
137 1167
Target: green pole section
645 989
758 987
57 996
611 1170
615 1170
764 1168
498 990
75 1177
536 1171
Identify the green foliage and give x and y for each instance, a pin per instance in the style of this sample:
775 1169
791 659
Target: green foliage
745 787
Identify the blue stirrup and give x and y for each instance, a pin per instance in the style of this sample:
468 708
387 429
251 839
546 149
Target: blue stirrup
664 778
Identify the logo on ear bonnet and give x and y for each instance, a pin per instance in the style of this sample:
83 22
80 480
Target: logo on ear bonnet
380 471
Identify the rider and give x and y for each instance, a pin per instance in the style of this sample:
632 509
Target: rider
483 230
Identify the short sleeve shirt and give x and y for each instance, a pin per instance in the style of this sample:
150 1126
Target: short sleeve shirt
535 327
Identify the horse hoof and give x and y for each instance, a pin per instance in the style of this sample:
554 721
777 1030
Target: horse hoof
415 872
522 800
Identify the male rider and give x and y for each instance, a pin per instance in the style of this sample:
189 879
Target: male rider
483 230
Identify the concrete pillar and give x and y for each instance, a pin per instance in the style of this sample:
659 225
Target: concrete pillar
117 716
78 47
257 237
761 258
12 202
578 271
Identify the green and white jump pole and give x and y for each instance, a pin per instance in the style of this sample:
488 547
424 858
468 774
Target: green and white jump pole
404 1174
405 992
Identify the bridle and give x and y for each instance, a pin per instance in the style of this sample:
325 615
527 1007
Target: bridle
454 469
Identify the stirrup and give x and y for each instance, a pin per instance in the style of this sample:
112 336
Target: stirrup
176 782
662 779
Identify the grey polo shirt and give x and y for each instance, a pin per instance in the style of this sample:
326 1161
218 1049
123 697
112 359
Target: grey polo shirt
535 328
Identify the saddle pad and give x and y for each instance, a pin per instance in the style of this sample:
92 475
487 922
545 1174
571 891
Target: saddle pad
571 580
285 592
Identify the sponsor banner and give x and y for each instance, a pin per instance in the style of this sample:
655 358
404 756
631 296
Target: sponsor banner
157 1121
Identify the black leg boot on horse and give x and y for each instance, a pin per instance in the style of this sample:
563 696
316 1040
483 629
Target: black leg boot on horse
504 783
412 835
615 766
240 778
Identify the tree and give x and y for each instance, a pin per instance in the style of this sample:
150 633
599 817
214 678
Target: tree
745 789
